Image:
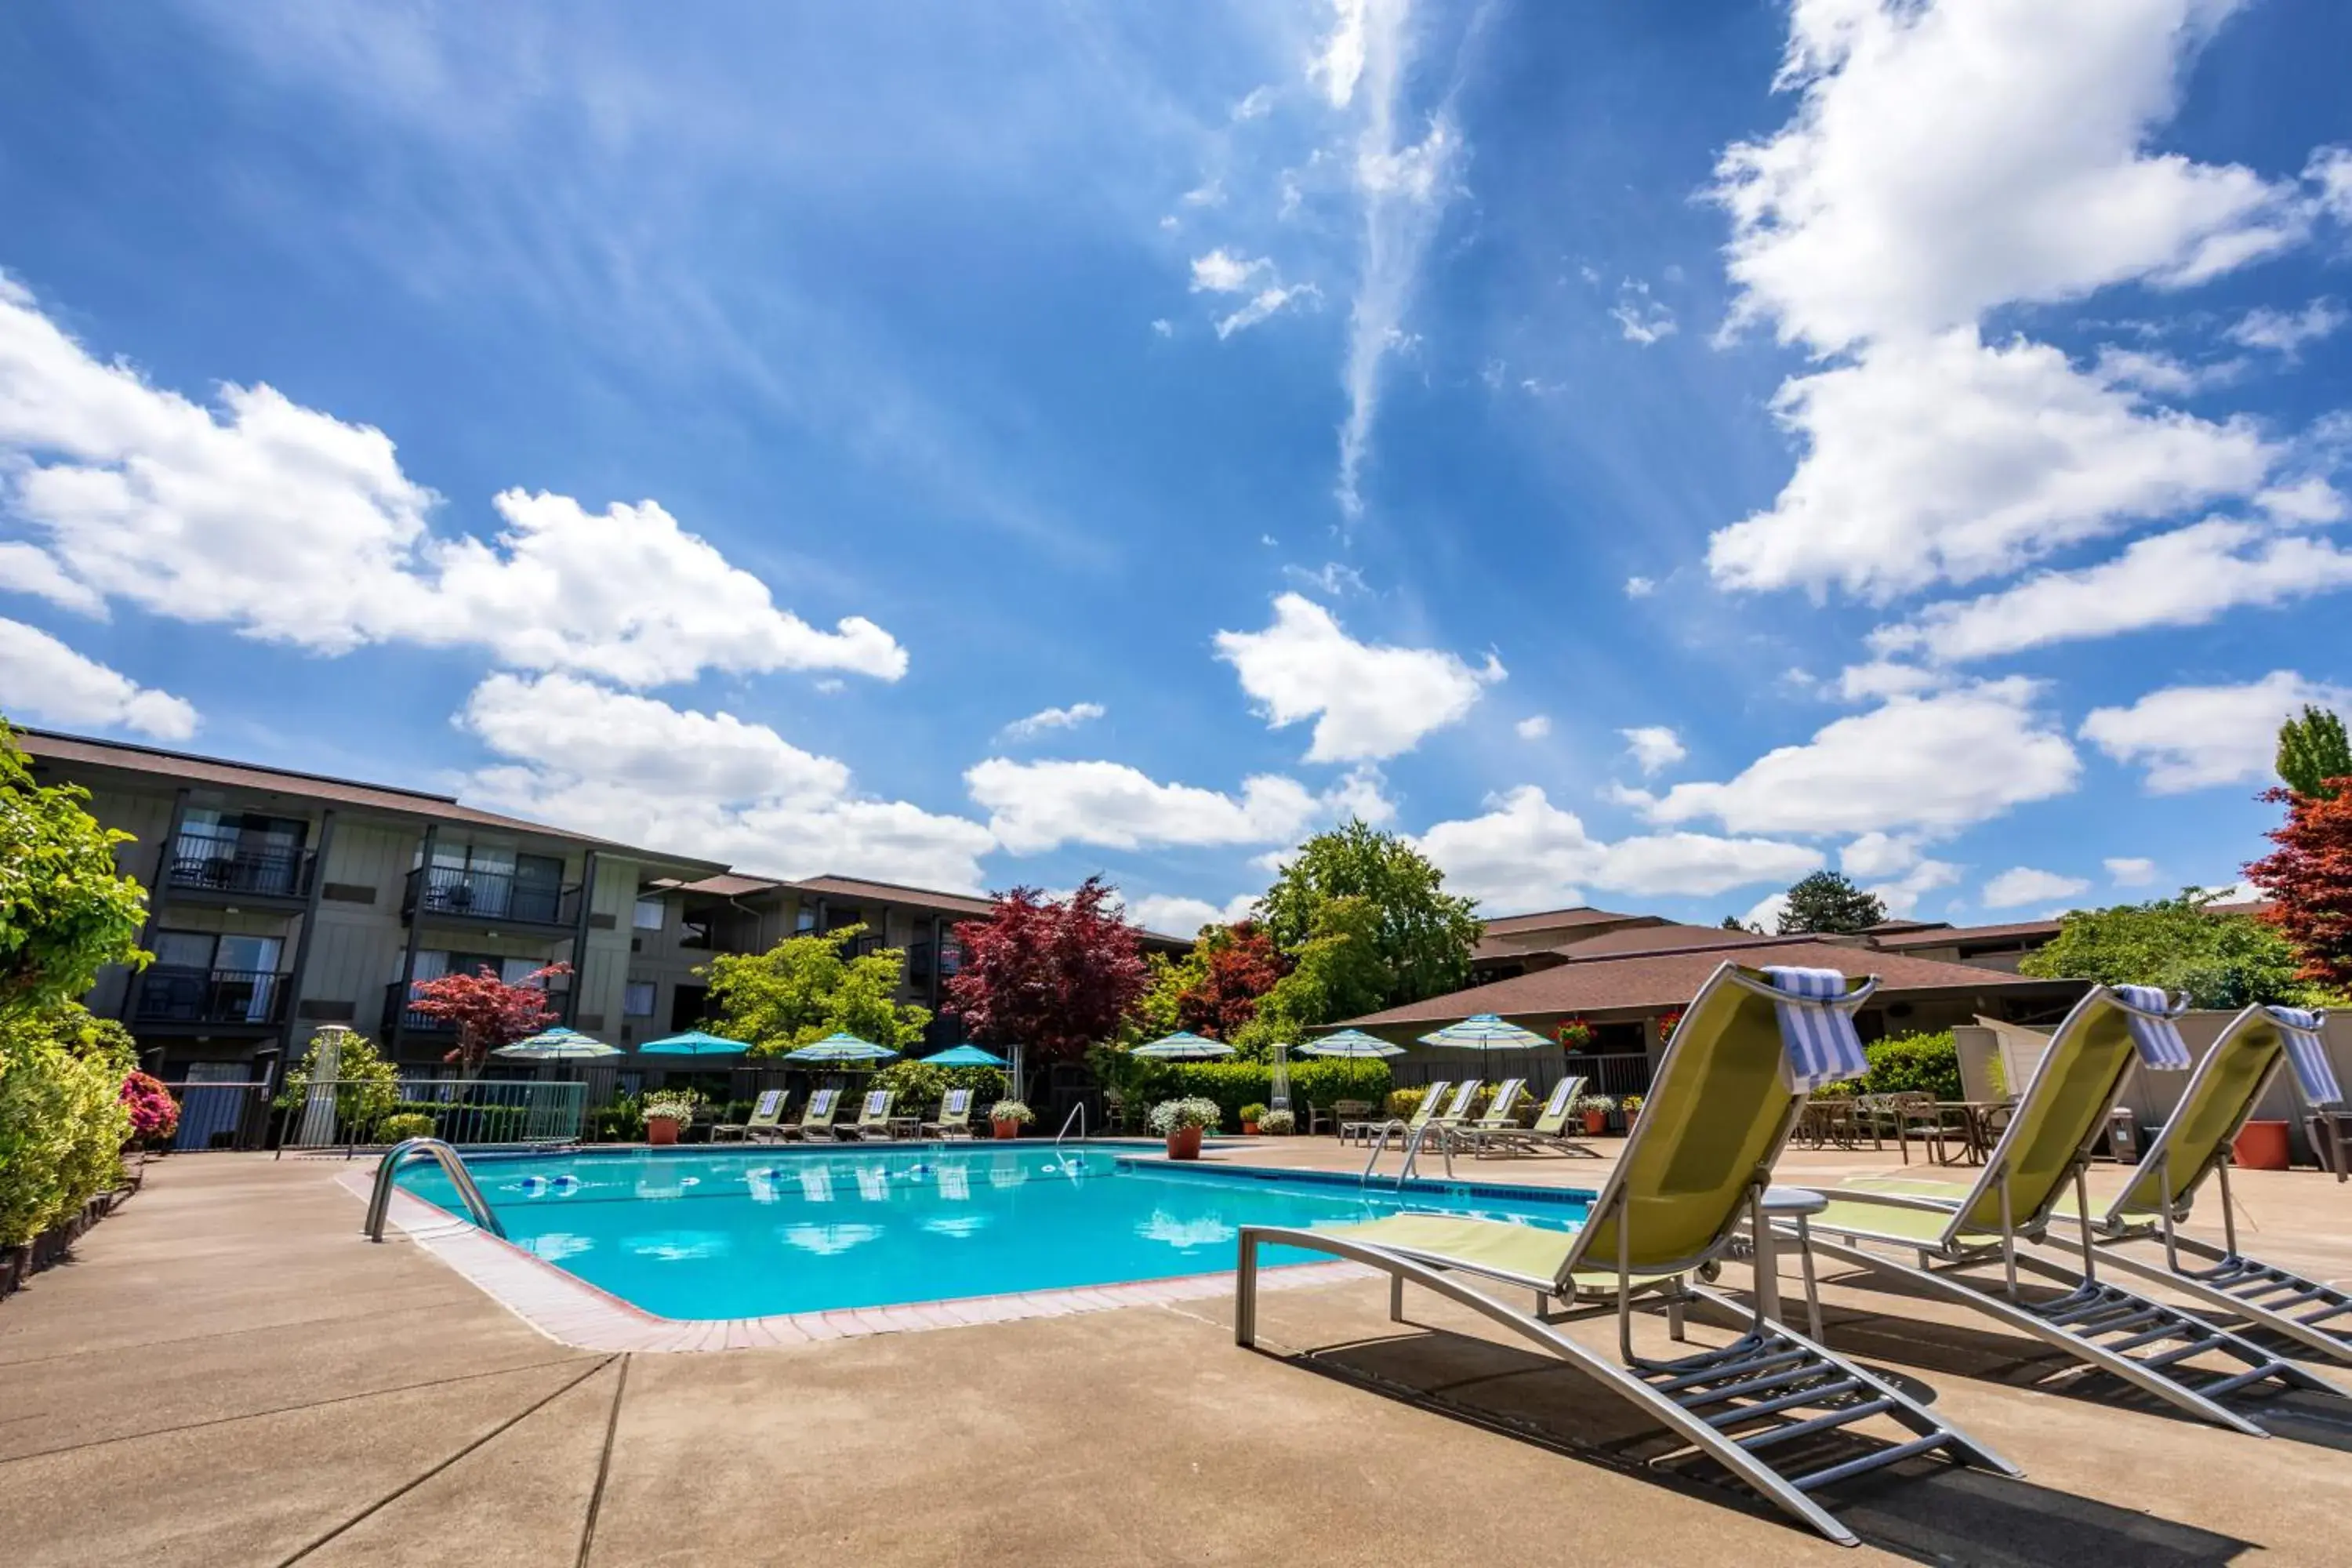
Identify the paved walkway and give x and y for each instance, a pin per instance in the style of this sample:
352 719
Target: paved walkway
229 1374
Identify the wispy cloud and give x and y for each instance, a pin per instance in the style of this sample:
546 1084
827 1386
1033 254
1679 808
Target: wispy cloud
1046 719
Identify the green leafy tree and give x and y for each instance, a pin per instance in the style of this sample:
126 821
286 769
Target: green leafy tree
66 912
1423 934
2220 960
367 1087
63 1121
806 988
1829 902
2312 752
1338 973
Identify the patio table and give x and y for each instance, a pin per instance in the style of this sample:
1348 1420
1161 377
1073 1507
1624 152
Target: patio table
1981 1124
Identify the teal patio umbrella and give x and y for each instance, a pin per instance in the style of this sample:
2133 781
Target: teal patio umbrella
1485 1032
1183 1046
841 1048
693 1043
557 1044
1350 1043
965 1057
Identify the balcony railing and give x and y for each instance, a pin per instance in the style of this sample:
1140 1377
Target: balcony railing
458 893
230 865
412 1022
171 995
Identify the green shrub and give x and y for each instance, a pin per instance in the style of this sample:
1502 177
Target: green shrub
918 1084
1927 1063
622 1121
1235 1084
406 1125
1253 1112
62 1119
1403 1102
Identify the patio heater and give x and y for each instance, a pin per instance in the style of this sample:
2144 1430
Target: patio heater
1279 1092
318 1129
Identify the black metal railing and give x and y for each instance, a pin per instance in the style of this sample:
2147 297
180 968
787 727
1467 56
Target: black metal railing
231 866
169 993
487 895
412 1022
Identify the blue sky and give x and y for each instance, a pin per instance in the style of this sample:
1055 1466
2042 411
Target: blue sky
1643 452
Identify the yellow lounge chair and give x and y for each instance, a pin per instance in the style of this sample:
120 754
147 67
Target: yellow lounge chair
766 1120
1727 1092
872 1123
1550 1133
2148 1343
816 1117
955 1116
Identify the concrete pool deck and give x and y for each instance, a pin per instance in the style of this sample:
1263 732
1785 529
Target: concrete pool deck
228 1373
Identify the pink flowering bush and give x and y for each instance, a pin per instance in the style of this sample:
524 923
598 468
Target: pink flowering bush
155 1114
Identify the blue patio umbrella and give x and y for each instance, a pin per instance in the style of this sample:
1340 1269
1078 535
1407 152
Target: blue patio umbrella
557 1044
1183 1046
1350 1043
693 1043
1485 1032
841 1047
965 1057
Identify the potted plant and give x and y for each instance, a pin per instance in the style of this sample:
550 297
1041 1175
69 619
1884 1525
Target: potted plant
1573 1035
155 1114
1632 1106
1253 1117
667 1112
1668 1022
1277 1124
1595 1110
1181 1123
1008 1116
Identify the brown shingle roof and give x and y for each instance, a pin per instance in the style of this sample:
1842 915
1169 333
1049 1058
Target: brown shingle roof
894 893
1632 940
1547 920
1669 980
70 750
1949 936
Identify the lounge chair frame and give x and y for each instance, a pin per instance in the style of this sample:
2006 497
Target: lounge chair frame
1483 1142
1793 1385
2143 1341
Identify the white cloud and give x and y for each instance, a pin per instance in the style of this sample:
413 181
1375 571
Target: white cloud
1254 106
43 680
2285 332
1901 895
1942 760
1764 915
2330 169
1948 459
1639 587
2025 884
1882 677
1335 579
2130 870
1161 326
1526 853
1369 700
294 527
1266 303
1533 727
1210 193
1036 806
711 784
1879 855
1341 64
2160 374
2198 737
29 569
1222 272
1639 318
1653 747
1947 159
1172 915
2184 578
1046 719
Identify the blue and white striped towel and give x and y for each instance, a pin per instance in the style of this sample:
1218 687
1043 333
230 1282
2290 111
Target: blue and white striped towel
2161 1048
2307 1054
1819 1039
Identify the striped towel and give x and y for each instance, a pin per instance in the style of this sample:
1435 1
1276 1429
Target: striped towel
1559 1101
875 1101
1820 1040
2307 1054
2149 1013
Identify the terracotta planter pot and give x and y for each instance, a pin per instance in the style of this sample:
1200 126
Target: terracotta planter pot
1007 1129
1596 1122
1249 1129
661 1131
1184 1143
2261 1146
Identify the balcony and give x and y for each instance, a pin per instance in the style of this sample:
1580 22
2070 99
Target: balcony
454 894
411 1023
230 867
169 996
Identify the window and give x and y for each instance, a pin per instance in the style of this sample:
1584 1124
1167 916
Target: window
638 999
647 915
806 920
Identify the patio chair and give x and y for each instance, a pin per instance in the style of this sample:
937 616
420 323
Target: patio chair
1751 1047
2043 1150
872 1123
1336 1115
955 1116
1550 1134
1501 1115
766 1120
2193 1148
1432 1097
816 1117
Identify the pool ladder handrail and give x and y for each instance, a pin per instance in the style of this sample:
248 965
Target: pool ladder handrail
1414 1138
1077 1114
468 1192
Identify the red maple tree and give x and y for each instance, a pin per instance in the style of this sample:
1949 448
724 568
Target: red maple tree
1242 963
1051 977
2309 880
486 1011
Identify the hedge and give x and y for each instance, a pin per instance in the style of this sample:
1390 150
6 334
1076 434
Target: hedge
63 1121
1235 1084
1909 1063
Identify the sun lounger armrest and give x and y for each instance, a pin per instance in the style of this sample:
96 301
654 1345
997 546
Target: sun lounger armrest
1878 1195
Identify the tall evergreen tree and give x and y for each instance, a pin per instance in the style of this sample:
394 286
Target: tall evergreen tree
1829 902
2312 751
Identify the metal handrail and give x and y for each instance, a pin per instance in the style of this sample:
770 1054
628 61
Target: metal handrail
1412 1166
380 1200
1077 1114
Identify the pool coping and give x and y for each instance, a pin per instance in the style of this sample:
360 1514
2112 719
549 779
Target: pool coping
571 1311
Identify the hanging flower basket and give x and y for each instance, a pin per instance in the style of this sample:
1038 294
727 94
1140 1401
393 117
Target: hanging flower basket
1575 1034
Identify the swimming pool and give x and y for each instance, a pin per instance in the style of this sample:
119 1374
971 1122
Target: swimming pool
700 1234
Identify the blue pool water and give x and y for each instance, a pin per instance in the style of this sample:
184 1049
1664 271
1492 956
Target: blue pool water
738 1234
